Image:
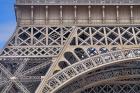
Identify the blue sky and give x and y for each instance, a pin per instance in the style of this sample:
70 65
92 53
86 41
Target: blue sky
7 20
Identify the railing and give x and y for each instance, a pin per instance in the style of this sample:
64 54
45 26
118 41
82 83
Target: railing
79 68
69 2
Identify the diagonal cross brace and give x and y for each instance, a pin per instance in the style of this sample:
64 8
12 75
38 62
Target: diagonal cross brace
36 68
15 81
50 71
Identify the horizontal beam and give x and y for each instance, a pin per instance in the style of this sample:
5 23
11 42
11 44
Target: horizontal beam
78 2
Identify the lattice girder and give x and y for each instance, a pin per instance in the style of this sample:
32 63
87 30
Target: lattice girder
37 41
48 41
73 46
89 64
114 87
56 41
94 37
104 75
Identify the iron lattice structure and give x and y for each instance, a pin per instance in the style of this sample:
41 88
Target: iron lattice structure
73 46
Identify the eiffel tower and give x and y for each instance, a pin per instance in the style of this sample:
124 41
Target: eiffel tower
73 46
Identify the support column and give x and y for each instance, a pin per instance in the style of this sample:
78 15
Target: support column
119 32
75 14
32 36
103 14
32 14
131 14
46 18
134 35
89 14
61 14
105 35
117 14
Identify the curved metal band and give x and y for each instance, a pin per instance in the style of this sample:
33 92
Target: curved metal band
77 69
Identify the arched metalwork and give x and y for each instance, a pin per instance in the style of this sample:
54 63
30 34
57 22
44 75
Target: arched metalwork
92 51
80 53
78 38
70 57
102 76
91 63
62 64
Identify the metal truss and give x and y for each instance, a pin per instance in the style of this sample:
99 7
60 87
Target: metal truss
22 75
123 74
26 59
77 69
93 37
37 41
108 36
114 88
60 49
49 41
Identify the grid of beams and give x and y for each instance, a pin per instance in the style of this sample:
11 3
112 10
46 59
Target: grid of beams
118 73
48 41
74 70
37 41
108 36
114 88
22 75
85 48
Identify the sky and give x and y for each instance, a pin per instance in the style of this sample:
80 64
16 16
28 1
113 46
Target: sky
7 21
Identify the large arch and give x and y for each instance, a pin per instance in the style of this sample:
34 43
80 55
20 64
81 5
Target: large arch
79 69
84 82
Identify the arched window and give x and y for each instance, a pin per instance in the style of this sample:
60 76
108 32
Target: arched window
70 57
103 50
80 53
92 51
63 64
